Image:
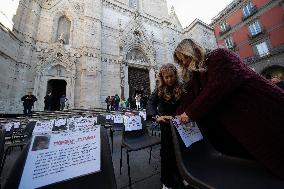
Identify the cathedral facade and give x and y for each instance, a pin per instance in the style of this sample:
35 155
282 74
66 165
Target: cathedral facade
89 49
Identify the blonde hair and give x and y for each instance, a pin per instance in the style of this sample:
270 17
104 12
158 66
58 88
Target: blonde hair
189 48
163 89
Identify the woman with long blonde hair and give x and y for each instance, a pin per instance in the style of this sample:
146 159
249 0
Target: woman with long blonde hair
161 107
239 110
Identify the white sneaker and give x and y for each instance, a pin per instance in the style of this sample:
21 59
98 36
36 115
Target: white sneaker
164 187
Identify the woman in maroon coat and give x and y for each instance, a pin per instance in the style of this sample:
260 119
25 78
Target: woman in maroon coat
226 96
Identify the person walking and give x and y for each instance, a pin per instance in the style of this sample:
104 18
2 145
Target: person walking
28 103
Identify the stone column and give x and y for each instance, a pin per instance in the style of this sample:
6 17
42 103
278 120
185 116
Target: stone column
152 79
126 84
90 91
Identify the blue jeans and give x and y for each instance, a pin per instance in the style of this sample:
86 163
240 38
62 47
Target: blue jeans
27 110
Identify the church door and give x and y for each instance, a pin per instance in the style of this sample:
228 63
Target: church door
139 83
57 87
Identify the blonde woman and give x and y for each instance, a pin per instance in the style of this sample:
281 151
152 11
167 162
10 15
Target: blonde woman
240 110
161 107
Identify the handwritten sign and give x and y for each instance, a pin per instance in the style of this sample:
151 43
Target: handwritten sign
84 124
7 126
118 118
143 114
43 126
189 132
60 122
132 123
56 157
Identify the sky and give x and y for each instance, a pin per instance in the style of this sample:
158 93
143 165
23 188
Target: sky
8 8
186 10
205 10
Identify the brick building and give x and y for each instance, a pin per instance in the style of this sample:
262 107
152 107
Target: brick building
255 30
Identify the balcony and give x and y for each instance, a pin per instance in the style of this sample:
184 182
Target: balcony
252 12
233 47
261 34
228 28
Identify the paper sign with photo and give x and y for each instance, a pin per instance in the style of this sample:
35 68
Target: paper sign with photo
56 157
108 117
43 126
189 132
132 123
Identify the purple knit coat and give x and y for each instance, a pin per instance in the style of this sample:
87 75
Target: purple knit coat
244 103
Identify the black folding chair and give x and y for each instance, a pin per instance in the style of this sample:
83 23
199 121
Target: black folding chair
114 128
27 136
203 167
102 179
2 144
136 140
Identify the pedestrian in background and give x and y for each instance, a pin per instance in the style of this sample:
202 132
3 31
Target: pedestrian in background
47 101
28 103
62 100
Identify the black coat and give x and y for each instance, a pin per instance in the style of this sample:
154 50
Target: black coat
159 106
28 100
48 99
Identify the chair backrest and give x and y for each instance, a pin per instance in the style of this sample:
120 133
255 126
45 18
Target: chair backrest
102 179
29 129
101 119
136 133
2 144
200 163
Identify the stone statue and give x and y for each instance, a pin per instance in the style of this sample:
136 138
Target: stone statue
61 38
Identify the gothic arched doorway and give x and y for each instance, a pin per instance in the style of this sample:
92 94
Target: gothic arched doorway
57 87
139 83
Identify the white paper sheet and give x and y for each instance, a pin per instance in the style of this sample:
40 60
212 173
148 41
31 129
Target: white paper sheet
61 156
43 127
108 117
132 123
16 125
60 122
143 114
7 126
189 133
118 118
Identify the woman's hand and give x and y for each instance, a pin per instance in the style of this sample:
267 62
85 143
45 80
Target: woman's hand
184 118
163 119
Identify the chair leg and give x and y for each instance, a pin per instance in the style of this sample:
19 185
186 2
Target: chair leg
111 138
120 159
129 177
150 155
4 159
